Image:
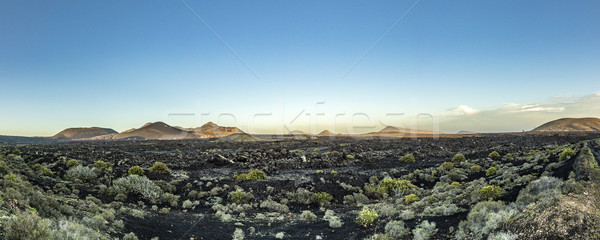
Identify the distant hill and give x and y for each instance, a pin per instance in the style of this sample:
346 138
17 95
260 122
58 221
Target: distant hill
326 133
298 132
156 130
212 130
81 133
390 131
466 132
570 125
239 137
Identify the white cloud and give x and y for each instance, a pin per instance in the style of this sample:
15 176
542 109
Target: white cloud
518 117
534 107
464 109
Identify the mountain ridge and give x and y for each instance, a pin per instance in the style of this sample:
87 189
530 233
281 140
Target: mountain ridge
589 124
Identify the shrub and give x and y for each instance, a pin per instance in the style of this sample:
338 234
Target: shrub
136 170
411 198
320 171
389 187
102 165
81 173
187 204
240 197
159 168
459 158
274 206
169 198
335 222
307 216
130 236
424 230
238 234
508 156
140 185
475 168
42 169
490 192
280 235
334 172
566 154
408 158
350 156
494 155
503 236
442 210
26 225
322 198
396 229
491 171
3 167
447 165
366 217
253 174
542 192
483 219
72 163
121 197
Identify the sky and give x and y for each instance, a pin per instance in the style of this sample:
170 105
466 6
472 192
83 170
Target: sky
273 66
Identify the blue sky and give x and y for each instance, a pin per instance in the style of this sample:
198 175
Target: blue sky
120 64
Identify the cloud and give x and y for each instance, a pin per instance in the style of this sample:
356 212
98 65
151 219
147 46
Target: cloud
535 107
519 117
464 109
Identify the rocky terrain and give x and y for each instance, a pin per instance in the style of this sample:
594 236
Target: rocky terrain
492 186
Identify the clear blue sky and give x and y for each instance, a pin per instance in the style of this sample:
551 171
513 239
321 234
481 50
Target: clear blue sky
120 64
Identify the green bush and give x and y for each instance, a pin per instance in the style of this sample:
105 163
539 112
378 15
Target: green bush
494 155
253 174
141 185
136 170
396 229
322 198
26 225
491 171
240 197
42 169
411 198
483 219
490 192
424 230
367 217
81 173
350 156
3 167
408 158
307 216
459 158
72 163
388 187
320 171
159 168
475 168
102 165
566 154
447 165
169 198
508 156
